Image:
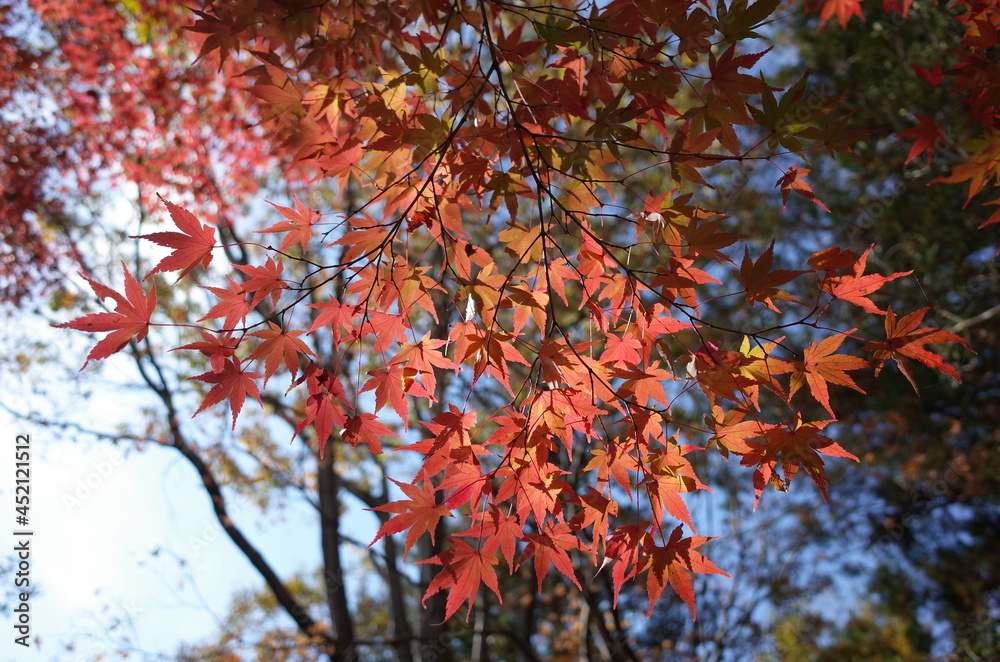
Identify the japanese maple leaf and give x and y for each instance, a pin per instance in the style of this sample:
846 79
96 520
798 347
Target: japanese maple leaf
621 352
934 76
129 321
671 564
417 515
794 446
231 382
498 531
855 287
298 226
728 83
366 428
217 347
263 281
465 568
233 304
279 347
615 462
706 240
596 510
669 475
192 245
794 181
925 136
761 283
842 9
730 430
386 327
324 406
644 385
550 548
338 315
390 386
422 357
905 340
820 366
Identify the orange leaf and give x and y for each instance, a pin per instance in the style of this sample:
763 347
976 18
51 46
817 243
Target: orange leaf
820 365
904 339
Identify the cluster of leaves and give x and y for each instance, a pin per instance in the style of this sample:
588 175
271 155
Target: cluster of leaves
532 126
107 94
973 79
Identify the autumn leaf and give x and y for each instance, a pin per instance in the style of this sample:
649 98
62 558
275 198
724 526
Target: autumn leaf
217 347
233 304
417 515
366 428
796 445
465 569
673 564
232 382
324 406
794 181
925 136
128 322
192 245
820 366
905 339
390 385
761 283
262 281
298 226
842 9
856 287
550 547
280 347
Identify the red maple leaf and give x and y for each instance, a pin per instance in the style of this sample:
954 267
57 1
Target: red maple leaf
925 136
465 568
233 305
390 386
280 347
324 406
855 287
794 446
761 283
366 428
550 548
794 181
298 226
905 340
231 382
217 347
192 245
129 321
416 515
934 76
263 281
498 531
338 315
843 9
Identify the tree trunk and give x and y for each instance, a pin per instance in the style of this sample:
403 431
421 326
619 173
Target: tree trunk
336 591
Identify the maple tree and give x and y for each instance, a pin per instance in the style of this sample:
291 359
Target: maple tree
520 274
